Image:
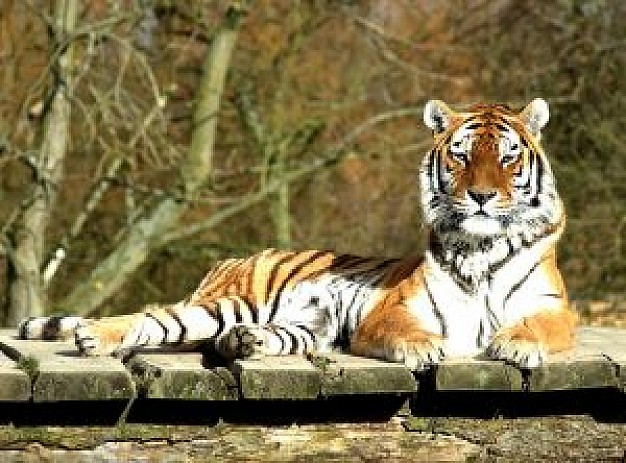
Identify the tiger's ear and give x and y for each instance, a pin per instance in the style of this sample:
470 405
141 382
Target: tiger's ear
535 115
437 115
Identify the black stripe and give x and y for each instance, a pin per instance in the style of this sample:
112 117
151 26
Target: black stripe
494 323
539 172
509 243
254 312
351 263
356 292
531 163
294 271
138 336
237 311
24 327
440 178
438 314
523 280
475 125
534 201
160 323
345 260
272 329
274 274
359 310
295 341
308 332
220 270
357 273
254 261
216 313
480 335
373 276
245 306
183 328
431 174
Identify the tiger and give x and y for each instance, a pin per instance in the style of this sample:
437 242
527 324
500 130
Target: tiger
487 285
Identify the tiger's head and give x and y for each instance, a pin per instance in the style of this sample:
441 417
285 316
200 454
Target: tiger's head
487 188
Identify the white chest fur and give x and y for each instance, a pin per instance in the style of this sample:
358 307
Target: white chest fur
468 320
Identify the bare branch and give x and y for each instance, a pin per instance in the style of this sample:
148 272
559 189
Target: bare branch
334 155
145 235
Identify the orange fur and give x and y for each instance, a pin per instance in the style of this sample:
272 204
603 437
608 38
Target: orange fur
390 327
111 330
552 330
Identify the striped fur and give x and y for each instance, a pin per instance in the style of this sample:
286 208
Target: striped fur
488 283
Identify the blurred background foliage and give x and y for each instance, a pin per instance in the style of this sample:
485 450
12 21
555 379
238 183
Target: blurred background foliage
308 76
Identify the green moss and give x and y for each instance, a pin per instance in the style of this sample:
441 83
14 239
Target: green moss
30 366
319 361
418 423
81 438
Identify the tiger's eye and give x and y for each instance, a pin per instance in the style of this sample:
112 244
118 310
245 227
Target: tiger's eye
508 158
461 157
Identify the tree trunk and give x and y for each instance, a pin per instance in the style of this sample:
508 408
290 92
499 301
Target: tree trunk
26 292
281 215
195 169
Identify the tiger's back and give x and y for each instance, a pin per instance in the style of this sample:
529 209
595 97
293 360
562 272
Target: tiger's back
488 281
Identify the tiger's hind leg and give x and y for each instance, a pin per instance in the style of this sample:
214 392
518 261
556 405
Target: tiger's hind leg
54 328
106 336
229 323
253 341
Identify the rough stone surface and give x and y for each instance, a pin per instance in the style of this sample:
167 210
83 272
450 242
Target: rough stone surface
596 361
469 374
181 376
571 438
288 377
14 382
346 375
554 438
311 443
612 343
57 372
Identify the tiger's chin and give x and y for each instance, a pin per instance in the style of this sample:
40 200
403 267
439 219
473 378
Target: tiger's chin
482 225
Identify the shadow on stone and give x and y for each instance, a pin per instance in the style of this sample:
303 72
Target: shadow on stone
76 413
378 408
357 408
336 409
604 404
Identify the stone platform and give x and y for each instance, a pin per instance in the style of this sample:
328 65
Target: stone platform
41 372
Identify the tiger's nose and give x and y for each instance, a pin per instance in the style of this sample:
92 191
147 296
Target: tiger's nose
481 198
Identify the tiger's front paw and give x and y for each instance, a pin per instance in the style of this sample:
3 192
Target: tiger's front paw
90 343
522 353
243 342
418 355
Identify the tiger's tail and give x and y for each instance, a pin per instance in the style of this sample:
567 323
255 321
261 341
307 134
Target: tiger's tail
53 328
